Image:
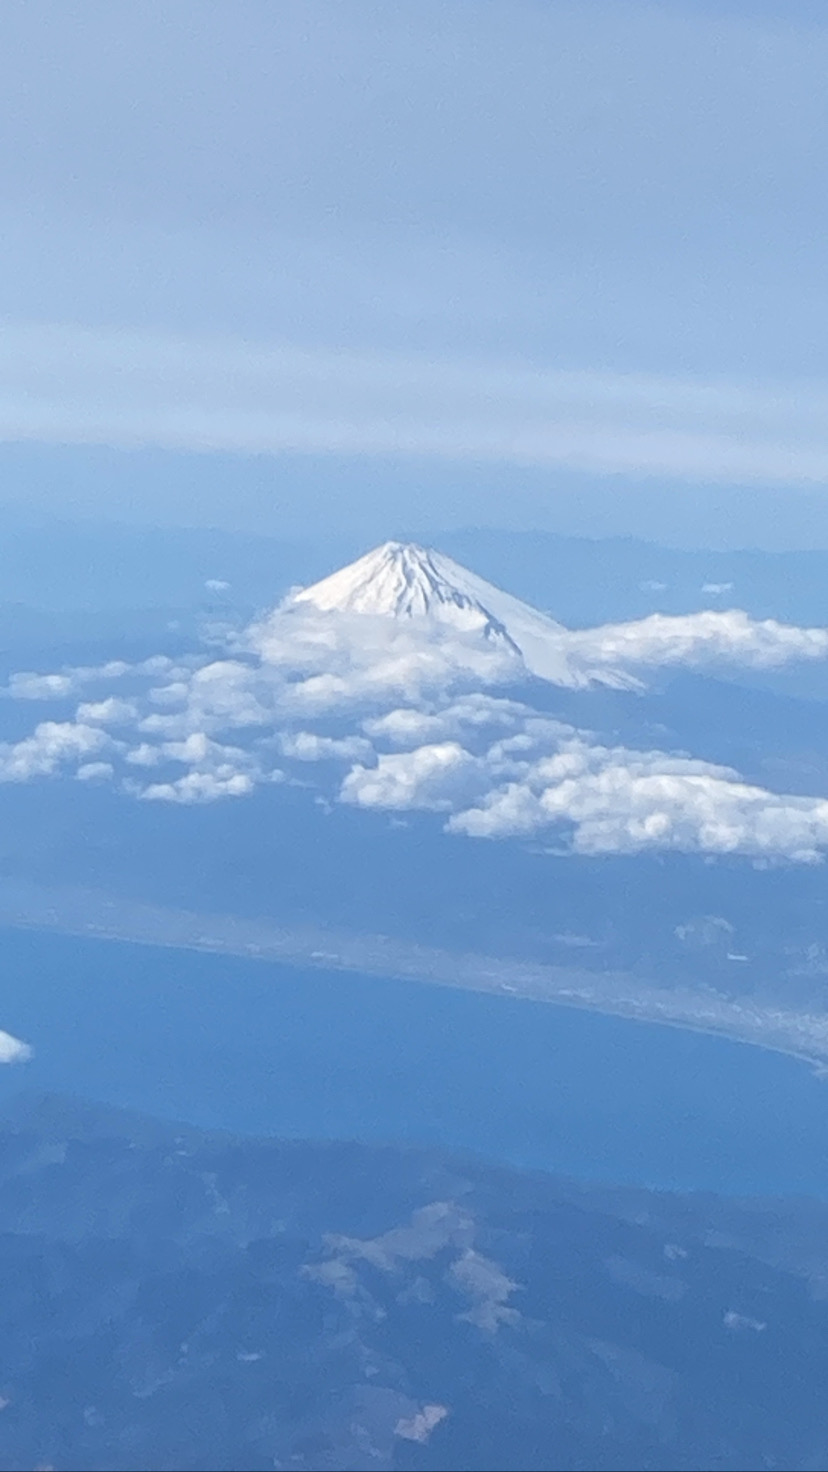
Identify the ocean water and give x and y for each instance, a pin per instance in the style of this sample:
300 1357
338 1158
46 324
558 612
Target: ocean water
266 1049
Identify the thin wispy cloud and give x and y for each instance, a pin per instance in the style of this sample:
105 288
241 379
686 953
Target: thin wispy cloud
511 237
69 384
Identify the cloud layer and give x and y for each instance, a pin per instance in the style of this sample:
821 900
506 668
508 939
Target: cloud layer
398 716
75 385
621 801
697 641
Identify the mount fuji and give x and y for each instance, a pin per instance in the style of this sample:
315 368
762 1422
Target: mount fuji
430 593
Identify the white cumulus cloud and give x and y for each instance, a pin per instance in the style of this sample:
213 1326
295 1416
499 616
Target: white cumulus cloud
434 776
144 755
95 772
476 711
220 695
52 745
698 639
338 660
615 800
12 1050
29 686
109 712
415 718
306 746
199 787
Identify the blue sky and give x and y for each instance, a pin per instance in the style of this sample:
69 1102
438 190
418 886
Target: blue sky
488 260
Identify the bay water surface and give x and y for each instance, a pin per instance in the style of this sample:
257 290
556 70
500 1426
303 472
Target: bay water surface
263 1049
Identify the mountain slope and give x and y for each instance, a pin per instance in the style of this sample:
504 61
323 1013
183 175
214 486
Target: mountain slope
180 1299
403 581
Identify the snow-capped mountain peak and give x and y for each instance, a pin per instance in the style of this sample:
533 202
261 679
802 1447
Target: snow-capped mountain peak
398 579
404 581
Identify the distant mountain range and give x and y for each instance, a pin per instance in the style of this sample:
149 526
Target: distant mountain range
78 569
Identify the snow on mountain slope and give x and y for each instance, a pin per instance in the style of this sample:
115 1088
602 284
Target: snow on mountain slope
399 580
403 581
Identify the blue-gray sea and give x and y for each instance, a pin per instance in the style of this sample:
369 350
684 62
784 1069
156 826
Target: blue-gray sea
266 1049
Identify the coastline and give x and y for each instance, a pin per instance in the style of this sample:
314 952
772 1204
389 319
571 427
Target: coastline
93 915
